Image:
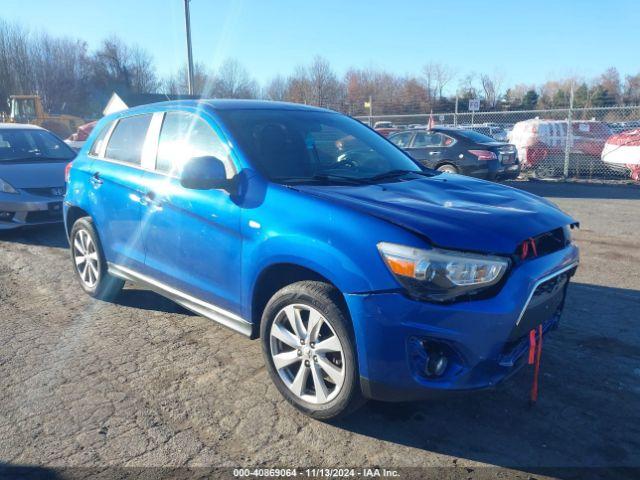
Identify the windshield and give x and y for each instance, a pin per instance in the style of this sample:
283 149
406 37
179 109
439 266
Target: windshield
32 144
290 145
476 136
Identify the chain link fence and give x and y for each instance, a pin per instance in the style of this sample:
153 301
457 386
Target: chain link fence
580 143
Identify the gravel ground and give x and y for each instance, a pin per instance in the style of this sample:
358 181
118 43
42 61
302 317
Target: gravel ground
142 382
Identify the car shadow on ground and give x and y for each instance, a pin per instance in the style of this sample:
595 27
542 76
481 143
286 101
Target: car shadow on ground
616 191
44 235
148 300
27 472
588 413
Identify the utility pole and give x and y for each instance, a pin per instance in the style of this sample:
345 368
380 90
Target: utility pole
187 21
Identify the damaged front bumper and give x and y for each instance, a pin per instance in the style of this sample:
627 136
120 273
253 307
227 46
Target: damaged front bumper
484 341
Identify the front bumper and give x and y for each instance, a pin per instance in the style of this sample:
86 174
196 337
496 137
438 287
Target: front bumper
476 335
22 209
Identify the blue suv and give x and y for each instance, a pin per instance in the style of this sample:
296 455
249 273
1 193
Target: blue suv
364 274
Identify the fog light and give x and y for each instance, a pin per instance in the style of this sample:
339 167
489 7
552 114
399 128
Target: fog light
436 365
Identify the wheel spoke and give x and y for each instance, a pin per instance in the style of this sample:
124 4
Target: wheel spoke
83 239
293 315
300 380
93 256
331 344
78 244
85 272
285 359
334 373
94 269
284 335
322 392
314 325
80 259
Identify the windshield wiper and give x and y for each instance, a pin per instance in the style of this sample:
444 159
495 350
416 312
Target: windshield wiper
395 174
322 178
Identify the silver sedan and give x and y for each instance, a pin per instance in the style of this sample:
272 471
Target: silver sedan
32 184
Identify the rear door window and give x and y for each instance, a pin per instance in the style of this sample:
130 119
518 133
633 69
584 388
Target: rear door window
127 139
424 140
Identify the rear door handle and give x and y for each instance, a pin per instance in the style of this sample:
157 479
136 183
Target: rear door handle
95 179
433 153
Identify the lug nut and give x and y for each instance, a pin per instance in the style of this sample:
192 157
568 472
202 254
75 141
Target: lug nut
299 352
302 341
306 363
315 358
312 344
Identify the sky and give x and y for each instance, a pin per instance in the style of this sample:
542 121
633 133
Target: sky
525 41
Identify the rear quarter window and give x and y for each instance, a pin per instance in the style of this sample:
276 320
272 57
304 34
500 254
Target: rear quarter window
98 144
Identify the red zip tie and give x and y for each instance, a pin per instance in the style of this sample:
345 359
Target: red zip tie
532 345
533 247
536 372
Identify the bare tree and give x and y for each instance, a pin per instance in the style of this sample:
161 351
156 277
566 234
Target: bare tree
632 89
325 89
436 77
611 83
177 84
276 89
120 66
467 87
491 86
233 81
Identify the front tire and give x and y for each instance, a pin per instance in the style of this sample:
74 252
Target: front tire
89 263
309 350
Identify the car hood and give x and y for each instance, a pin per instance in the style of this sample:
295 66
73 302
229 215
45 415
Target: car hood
453 211
38 174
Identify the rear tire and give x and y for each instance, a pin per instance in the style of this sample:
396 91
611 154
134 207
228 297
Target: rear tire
305 331
89 263
447 168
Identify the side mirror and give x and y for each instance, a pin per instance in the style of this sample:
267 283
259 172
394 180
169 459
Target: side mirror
204 173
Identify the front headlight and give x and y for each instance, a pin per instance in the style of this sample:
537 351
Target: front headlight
5 187
442 275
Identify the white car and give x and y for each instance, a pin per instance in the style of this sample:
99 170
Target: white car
621 153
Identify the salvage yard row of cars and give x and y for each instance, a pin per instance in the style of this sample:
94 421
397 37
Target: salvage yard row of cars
609 149
404 280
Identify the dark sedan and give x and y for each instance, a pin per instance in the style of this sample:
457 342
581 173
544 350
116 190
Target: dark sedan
455 150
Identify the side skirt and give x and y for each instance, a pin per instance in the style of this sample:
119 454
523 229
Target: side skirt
212 312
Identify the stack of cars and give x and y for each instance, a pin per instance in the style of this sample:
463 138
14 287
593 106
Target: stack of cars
541 143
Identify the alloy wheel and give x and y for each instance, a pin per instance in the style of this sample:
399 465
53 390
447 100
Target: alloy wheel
307 353
86 258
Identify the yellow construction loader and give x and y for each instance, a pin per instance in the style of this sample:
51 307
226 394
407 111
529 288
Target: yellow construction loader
29 109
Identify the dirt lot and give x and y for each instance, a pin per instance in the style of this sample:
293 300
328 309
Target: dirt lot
141 382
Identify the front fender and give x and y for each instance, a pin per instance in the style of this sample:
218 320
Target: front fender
334 241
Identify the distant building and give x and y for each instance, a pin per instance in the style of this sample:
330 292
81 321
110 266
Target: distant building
122 100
